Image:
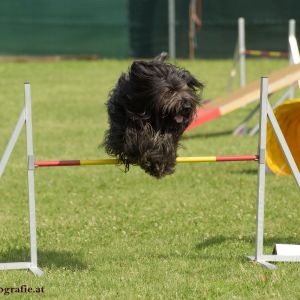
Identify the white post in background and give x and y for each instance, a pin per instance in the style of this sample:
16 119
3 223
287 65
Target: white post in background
292 33
172 31
242 49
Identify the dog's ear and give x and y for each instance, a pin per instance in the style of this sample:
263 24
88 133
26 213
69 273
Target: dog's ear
191 81
141 71
161 57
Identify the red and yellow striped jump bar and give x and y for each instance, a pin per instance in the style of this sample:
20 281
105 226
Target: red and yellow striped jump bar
266 53
112 161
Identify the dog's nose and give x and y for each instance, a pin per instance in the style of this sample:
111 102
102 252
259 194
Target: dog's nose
187 105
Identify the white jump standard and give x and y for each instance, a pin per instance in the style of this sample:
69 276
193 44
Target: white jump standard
266 111
25 118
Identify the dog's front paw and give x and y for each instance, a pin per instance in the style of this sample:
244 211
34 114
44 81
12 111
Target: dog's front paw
158 156
157 168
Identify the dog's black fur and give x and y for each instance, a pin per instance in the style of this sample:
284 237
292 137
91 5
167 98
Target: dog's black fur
149 109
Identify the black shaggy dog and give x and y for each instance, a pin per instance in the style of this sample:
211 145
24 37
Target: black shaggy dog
149 109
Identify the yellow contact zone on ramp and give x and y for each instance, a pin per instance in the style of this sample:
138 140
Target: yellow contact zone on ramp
288 117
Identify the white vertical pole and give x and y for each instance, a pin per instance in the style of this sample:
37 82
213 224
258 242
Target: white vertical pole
172 32
242 49
292 33
261 168
30 173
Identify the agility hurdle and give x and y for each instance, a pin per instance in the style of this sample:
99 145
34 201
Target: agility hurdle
32 165
113 161
241 52
240 57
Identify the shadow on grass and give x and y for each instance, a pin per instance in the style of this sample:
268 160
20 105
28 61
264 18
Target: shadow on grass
205 135
46 258
220 239
244 171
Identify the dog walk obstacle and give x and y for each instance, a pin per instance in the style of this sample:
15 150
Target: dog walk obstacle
245 95
284 252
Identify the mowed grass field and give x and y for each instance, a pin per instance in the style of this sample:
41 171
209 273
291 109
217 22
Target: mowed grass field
106 234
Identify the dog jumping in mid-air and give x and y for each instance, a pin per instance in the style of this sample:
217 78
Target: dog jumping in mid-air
148 110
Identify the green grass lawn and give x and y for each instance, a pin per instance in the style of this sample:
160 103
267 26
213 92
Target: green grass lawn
104 234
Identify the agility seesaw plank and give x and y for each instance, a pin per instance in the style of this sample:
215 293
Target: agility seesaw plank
245 95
